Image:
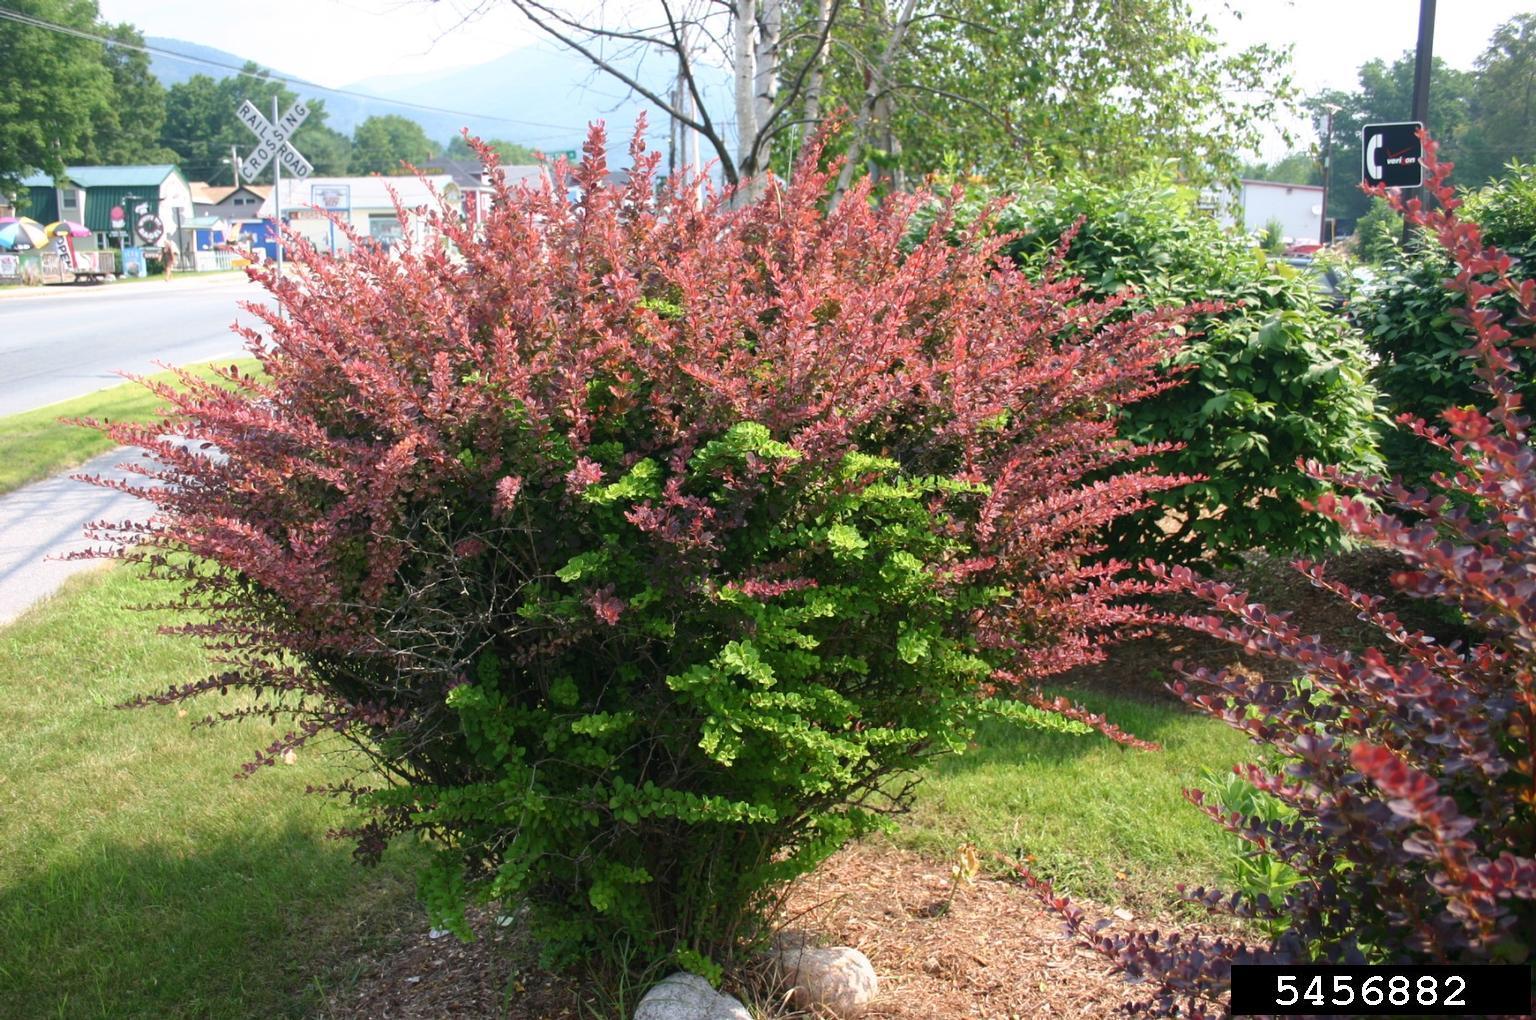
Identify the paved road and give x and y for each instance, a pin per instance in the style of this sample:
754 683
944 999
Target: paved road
67 342
43 521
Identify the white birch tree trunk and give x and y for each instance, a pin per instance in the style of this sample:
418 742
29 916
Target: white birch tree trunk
745 57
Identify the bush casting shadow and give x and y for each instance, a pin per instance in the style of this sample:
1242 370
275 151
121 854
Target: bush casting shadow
240 928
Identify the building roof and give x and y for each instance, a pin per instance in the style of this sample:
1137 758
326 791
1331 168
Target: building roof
145 176
1250 182
466 173
204 193
370 192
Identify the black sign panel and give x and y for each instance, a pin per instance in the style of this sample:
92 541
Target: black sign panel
150 228
1391 154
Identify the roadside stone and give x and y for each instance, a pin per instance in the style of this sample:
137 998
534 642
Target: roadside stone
684 996
839 980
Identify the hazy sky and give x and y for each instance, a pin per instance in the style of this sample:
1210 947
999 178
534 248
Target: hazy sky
337 42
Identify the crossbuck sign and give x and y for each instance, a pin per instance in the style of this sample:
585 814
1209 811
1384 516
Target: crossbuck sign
274 140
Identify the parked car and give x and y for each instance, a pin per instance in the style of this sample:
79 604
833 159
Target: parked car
1335 283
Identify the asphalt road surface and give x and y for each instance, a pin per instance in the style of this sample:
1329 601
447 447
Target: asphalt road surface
68 341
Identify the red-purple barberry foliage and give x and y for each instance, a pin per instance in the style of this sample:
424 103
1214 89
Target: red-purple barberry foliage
639 539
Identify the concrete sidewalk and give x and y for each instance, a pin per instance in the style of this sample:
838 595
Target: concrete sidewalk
44 521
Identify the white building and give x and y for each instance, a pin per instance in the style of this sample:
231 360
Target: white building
1298 208
366 204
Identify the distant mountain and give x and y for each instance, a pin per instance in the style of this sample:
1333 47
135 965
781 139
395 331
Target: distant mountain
194 58
539 96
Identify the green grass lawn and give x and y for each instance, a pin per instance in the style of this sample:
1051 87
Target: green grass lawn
1100 820
36 444
139 878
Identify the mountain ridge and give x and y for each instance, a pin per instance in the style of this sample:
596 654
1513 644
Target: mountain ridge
546 97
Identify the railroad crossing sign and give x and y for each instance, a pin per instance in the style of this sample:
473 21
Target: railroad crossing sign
1390 154
274 140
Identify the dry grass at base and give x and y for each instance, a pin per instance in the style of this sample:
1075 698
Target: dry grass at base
422 977
995 954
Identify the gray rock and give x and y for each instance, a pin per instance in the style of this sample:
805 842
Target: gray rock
838 980
683 996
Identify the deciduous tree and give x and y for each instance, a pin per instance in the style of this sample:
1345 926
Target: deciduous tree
54 87
128 129
1097 84
511 153
383 144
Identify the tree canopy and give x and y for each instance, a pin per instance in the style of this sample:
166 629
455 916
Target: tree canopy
381 145
1098 86
1482 118
200 125
56 91
128 131
1503 122
511 153
1292 168
1102 87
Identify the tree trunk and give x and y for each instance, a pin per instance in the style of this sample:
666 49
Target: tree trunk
745 56
813 82
879 81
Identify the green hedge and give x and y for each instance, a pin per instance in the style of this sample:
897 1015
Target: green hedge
1274 375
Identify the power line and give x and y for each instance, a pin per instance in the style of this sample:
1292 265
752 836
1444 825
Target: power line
36 22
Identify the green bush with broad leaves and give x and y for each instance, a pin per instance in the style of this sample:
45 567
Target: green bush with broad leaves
1410 319
1272 374
1379 234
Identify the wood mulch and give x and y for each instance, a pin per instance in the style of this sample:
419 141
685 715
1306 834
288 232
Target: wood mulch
994 953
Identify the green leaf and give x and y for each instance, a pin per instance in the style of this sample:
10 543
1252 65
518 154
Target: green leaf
846 542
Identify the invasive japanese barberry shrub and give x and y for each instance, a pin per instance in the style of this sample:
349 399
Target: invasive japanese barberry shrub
1423 350
1407 773
645 544
1273 374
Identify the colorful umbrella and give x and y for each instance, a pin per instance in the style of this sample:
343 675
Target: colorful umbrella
69 227
21 234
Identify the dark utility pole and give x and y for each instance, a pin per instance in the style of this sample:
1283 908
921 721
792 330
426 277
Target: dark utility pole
1422 62
1324 234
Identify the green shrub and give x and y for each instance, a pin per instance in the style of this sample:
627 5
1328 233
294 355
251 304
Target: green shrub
1379 234
1273 375
647 545
1272 239
1506 210
1404 769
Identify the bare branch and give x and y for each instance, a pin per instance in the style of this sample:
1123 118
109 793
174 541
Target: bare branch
564 29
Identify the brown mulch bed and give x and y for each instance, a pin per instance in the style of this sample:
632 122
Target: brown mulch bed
995 953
